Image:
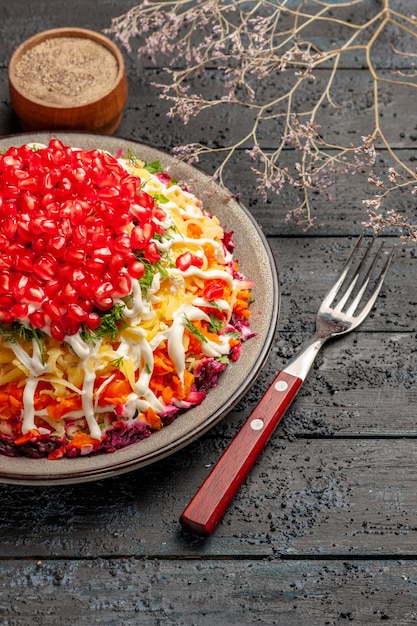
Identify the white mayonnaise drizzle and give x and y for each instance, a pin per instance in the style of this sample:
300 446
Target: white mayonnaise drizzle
36 367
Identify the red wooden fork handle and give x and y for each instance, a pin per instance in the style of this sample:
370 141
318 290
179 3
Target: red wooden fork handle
210 502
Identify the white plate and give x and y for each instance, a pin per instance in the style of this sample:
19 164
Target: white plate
255 261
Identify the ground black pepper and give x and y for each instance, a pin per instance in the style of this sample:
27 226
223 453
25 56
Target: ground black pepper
67 71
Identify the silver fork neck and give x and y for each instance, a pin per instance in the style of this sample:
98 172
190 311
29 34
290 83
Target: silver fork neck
300 365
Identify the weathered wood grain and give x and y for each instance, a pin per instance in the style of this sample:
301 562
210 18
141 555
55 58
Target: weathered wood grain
306 497
309 266
323 531
122 592
343 118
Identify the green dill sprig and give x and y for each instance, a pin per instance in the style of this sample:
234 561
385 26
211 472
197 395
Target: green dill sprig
17 332
112 322
215 324
194 330
133 160
117 363
150 270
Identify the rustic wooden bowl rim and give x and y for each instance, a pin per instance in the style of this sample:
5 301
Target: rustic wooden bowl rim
56 33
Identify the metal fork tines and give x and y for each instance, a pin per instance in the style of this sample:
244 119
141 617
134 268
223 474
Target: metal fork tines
363 276
347 303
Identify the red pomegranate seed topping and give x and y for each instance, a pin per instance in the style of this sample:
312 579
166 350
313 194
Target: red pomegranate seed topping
136 269
74 225
186 260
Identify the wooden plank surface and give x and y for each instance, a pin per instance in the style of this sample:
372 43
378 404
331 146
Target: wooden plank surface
123 592
306 497
323 531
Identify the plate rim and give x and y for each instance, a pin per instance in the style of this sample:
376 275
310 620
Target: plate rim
132 462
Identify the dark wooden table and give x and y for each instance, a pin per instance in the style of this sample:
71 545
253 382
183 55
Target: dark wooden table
324 529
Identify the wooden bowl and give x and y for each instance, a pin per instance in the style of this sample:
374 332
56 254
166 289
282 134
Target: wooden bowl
68 79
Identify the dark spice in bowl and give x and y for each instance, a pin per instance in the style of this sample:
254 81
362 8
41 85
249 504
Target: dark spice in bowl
68 79
67 71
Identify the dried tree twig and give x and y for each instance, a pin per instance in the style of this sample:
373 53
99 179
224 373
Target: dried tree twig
251 40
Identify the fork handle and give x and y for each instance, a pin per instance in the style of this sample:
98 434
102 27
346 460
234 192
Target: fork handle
212 499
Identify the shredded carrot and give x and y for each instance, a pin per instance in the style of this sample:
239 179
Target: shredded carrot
64 405
167 394
194 230
31 434
58 453
79 441
82 439
241 306
194 344
153 419
162 362
210 252
116 392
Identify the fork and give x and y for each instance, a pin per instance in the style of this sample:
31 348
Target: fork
335 317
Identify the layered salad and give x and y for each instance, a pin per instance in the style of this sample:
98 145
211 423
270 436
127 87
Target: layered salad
120 300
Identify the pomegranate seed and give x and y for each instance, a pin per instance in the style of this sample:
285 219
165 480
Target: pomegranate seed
6 262
57 332
141 236
28 202
145 200
9 227
48 227
116 262
122 284
69 294
183 262
93 320
47 182
75 255
12 160
71 222
23 262
77 313
70 326
19 287
6 302
6 317
56 245
136 269
103 253
19 310
139 212
152 253
95 266
104 290
52 287
80 235
159 214
37 318
45 268
104 304
34 293
5 282
53 310
4 242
